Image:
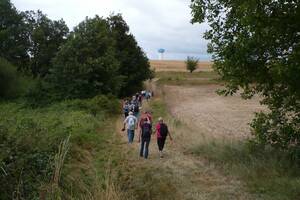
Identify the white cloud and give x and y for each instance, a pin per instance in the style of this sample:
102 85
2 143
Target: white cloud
155 23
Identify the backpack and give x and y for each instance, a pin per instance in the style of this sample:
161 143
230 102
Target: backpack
146 130
131 123
163 130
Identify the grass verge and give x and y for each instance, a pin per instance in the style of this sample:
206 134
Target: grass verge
62 151
268 174
187 78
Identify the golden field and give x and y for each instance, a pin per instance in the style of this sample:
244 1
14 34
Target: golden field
174 65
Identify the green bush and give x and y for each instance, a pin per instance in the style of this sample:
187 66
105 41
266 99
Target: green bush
284 136
40 93
10 81
191 63
29 140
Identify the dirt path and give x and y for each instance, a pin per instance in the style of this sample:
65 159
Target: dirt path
188 177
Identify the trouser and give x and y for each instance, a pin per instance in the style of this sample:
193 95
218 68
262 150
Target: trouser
161 143
130 134
125 114
144 147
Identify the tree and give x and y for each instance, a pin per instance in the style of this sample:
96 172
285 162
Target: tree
10 82
134 64
14 41
86 64
45 36
191 63
256 47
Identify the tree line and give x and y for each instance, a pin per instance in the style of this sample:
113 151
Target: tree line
99 56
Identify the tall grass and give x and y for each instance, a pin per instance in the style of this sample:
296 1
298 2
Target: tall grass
267 173
59 160
35 164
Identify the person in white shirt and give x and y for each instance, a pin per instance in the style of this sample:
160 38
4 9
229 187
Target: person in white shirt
131 123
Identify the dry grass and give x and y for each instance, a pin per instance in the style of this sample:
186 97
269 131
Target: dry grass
187 78
179 66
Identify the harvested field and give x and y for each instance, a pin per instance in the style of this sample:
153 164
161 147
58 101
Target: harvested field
179 66
213 115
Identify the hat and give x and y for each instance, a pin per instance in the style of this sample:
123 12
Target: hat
130 113
160 119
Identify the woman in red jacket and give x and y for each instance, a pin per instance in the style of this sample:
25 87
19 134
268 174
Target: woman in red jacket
162 132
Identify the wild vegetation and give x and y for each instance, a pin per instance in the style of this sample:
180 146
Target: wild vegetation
99 56
59 103
31 160
191 63
255 47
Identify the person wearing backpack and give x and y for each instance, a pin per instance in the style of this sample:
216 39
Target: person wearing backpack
162 132
136 109
145 137
126 109
145 115
131 123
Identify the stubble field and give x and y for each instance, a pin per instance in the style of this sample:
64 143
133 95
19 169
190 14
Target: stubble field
177 66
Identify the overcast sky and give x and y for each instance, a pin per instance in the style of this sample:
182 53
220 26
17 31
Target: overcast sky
155 23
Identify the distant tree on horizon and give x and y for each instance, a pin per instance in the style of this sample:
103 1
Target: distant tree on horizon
191 63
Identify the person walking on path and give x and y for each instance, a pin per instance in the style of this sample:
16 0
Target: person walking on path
126 108
145 115
162 132
145 137
131 123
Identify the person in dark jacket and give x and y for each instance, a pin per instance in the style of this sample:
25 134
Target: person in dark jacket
162 132
145 137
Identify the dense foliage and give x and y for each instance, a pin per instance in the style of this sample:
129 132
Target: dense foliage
87 65
29 140
14 41
256 47
45 37
191 63
99 56
134 65
56 84
11 83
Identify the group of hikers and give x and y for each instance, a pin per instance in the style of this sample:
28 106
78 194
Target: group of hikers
143 124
